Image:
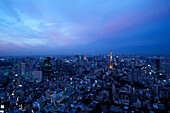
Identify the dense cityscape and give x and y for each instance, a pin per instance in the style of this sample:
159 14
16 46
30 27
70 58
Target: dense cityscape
84 56
83 84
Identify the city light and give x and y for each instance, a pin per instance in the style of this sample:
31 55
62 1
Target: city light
2 106
84 56
64 85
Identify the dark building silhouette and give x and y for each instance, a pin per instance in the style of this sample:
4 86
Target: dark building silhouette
47 68
157 63
59 64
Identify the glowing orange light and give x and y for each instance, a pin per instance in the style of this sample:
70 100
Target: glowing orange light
111 60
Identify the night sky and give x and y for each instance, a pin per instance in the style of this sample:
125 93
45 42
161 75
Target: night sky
68 27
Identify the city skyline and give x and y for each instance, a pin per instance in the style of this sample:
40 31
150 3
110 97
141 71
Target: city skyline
84 27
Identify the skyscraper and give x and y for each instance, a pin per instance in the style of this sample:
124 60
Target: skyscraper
38 76
47 67
59 64
157 63
111 60
19 67
23 68
133 64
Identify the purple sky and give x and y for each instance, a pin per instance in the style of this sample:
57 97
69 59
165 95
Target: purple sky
61 27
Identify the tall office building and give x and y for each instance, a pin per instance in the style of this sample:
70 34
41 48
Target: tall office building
19 67
3 82
37 76
117 63
23 68
133 64
47 68
137 60
59 64
85 61
106 59
155 88
29 73
117 59
157 63
111 60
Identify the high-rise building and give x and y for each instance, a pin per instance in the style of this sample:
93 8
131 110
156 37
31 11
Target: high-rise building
19 67
133 64
81 58
59 64
157 63
155 87
117 59
137 60
29 73
133 90
106 59
111 61
47 67
38 76
3 82
23 68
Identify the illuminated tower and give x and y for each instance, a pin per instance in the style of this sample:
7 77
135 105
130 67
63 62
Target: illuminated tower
111 60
